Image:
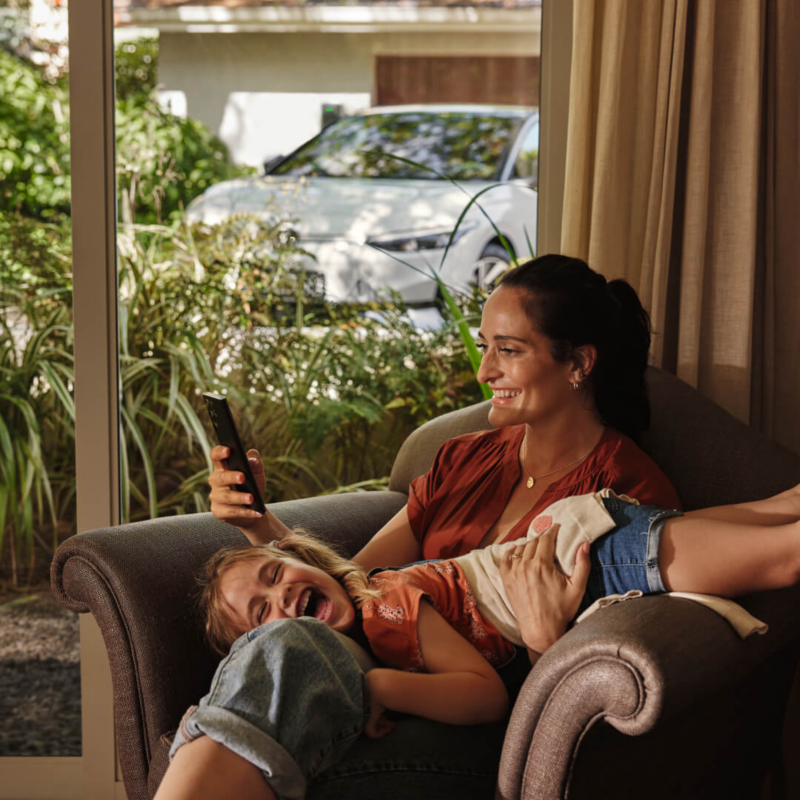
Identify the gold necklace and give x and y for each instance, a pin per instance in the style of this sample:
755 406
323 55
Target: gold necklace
531 482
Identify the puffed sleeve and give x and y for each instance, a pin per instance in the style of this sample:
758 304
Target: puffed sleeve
422 490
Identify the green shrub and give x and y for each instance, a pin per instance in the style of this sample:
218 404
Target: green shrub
36 259
163 161
136 68
183 293
205 308
328 394
34 141
37 454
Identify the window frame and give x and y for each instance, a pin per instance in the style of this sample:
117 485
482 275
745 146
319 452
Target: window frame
95 775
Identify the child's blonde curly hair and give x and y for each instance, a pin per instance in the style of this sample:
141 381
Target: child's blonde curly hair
298 544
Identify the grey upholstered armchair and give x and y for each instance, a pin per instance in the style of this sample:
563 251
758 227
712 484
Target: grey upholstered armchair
656 698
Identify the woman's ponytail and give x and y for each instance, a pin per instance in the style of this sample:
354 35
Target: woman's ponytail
620 388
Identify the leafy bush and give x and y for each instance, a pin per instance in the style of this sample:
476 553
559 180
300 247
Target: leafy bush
331 406
136 68
182 293
328 394
36 259
163 161
37 456
34 141
205 308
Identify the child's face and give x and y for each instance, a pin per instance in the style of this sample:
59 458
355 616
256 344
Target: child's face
265 589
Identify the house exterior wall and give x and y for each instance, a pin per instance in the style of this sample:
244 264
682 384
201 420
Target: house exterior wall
262 93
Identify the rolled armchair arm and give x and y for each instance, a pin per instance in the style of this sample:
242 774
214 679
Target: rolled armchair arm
635 665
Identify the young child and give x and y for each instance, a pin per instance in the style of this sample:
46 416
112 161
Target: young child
442 627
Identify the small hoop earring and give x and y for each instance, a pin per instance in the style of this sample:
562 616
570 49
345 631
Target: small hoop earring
576 385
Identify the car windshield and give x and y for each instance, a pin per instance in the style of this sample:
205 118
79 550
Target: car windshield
462 146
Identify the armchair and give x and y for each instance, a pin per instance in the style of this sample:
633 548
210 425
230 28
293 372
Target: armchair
655 698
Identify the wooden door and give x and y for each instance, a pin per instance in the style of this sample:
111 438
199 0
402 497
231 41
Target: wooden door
495 80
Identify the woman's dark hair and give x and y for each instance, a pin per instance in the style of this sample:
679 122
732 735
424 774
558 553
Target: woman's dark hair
572 305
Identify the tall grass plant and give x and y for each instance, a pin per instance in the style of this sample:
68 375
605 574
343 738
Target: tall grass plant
326 393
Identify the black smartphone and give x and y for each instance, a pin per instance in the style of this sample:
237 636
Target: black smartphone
228 436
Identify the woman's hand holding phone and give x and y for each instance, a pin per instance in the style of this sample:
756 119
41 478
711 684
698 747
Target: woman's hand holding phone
226 503
230 506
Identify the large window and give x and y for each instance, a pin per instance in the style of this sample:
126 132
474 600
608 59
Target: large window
301 311
291 178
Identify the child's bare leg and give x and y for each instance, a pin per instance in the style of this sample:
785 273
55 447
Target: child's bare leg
204 768
781 509
710 556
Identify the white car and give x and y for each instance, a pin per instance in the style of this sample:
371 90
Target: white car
349 196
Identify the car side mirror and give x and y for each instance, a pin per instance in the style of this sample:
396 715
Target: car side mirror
271 163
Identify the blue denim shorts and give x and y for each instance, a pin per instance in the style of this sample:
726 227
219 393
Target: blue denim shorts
289 698
626 558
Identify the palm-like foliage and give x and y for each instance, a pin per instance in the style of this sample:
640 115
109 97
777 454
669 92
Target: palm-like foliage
37 415
326 394
189 298
160 366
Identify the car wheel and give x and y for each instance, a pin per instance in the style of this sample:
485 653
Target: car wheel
491 265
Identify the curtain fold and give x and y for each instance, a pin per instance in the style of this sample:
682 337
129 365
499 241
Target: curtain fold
683 178
777 395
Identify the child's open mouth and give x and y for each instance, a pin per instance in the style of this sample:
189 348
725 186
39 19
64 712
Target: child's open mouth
313 603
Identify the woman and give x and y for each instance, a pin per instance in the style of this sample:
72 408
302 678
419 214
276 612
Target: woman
564 353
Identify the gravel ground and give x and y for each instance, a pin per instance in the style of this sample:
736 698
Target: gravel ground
40 690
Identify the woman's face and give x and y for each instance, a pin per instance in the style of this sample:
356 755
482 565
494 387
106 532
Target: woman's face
262 590
529 386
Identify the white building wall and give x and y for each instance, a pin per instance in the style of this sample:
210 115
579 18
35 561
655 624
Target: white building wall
262 93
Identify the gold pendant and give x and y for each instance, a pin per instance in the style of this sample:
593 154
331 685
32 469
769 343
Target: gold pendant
530 483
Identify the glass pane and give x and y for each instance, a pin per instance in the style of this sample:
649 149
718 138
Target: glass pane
290 178
462 146
39 655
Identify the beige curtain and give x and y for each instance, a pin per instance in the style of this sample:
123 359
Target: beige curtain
683 176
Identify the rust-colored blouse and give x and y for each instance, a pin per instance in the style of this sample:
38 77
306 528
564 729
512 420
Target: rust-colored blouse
452 506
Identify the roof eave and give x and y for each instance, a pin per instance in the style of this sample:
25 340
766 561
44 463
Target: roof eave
329 19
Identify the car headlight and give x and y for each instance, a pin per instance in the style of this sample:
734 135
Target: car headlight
423 240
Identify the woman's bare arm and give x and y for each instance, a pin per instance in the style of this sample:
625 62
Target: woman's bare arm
392 546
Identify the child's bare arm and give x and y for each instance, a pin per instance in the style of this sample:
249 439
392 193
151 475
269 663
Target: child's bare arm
462 687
